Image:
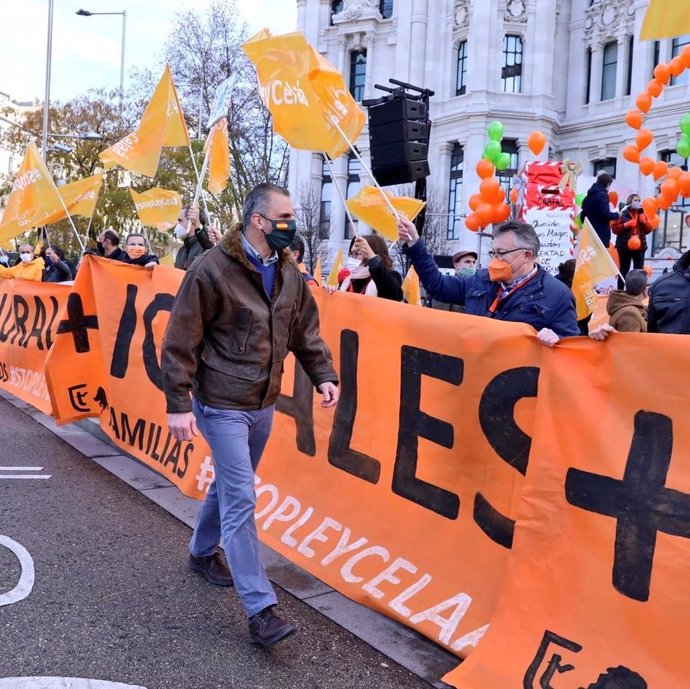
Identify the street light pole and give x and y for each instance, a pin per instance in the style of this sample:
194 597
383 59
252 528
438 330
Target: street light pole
86 13
46 98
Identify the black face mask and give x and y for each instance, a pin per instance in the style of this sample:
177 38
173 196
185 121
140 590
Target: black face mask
281 234
100 248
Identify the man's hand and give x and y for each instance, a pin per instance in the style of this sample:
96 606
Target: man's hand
214 234
602 332
193 217
407 232
151 265
182 426
547 337
330 395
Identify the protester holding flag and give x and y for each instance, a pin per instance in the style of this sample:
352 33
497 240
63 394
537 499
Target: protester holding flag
108 244
57 269
596 208
191 228
631 231
139 252
30 267
240 309
513 288
371 269
627 313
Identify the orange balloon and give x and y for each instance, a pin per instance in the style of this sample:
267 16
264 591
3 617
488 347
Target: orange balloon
654 88
676 66
650 206
649 270
660 169
654 222
684 184
514 196
536 142
662 73
663 202
685 56
485 214
501 212
474 201
613 197
644 138
646 166
633 118
631 153
485 168
670 189
488 189
644 102
675 172
634 243
613 252
472 222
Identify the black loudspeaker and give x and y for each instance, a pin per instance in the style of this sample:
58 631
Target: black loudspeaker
398 139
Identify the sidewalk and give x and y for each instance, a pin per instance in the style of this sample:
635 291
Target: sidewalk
404 646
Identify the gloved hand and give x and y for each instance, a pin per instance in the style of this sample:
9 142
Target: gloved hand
642 218
630 223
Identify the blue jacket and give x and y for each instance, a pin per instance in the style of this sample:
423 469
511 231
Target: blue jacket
543 302
596 208
669 300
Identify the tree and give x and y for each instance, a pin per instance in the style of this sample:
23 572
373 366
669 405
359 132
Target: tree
308 212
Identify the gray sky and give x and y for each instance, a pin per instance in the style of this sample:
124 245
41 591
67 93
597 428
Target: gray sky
86 50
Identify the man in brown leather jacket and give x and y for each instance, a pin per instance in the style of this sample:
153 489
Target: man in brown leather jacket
241 308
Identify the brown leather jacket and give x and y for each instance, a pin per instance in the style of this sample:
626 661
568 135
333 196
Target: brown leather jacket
226 340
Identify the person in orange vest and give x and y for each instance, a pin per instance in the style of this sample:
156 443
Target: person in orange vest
30 267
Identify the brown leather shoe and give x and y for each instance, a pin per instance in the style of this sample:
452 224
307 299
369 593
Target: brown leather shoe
266 628
212 568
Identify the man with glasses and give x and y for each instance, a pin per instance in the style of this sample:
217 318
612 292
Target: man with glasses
513 288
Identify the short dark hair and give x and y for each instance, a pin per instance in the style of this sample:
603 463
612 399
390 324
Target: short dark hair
605 179
636 282
378 246
297 244
525 235
257 200
566 271
112 237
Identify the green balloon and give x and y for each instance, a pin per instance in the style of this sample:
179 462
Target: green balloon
503 161
683 147
495 130
685 124
580 198
493 150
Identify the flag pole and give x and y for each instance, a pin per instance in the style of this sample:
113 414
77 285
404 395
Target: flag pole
342 198
199 180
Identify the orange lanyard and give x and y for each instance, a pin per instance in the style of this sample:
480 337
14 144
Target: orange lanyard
500 297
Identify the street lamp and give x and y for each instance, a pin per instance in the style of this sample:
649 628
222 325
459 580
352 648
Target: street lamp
86 13
46 99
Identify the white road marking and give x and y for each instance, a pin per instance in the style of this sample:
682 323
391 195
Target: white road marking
26 580
22 476
61 683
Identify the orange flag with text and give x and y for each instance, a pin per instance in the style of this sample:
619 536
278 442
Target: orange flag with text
79 198
157 207
218 151
162 126
304 92
665 19
33 198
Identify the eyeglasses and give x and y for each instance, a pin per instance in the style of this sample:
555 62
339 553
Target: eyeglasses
501 254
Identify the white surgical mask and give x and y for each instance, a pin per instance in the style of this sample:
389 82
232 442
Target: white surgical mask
25 257
180 231
352 263
4 260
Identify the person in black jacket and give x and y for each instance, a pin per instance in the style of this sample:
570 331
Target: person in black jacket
139 252
631 232
372 269
108 243
596 208
193 229
57 269
669 300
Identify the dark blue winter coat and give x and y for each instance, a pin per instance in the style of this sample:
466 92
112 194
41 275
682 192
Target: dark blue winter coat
543 302
595 207
669 300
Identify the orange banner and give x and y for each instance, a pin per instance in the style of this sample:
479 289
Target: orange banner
157 207
30 314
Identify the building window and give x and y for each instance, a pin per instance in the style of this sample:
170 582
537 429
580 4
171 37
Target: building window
511 73
354 184
657 57
588 67
628 81
505 177
608 73
607 165
336 8
386 8
677 46
358 70
326 197
461 77
457 160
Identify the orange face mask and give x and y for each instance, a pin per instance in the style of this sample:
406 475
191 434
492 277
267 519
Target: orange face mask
499 271
135 251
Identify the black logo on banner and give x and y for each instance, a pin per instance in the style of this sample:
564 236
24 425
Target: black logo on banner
77 397
101 399
640 503
78 324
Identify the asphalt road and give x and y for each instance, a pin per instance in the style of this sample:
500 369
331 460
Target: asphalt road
112 598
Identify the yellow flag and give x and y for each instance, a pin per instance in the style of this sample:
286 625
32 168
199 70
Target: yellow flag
332 278
593 264
318 277
79 197
33 198
370 207
665 19
411 289
162 126
219 156
304 93
168 260
157 207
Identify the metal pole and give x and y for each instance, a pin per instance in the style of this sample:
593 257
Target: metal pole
46 97
122 59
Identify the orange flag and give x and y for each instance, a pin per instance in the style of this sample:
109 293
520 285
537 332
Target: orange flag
79 197
665 19
157 207
593 264
411 289
369 206
318 277
218 149
304 93
162 126
332 278
33 198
